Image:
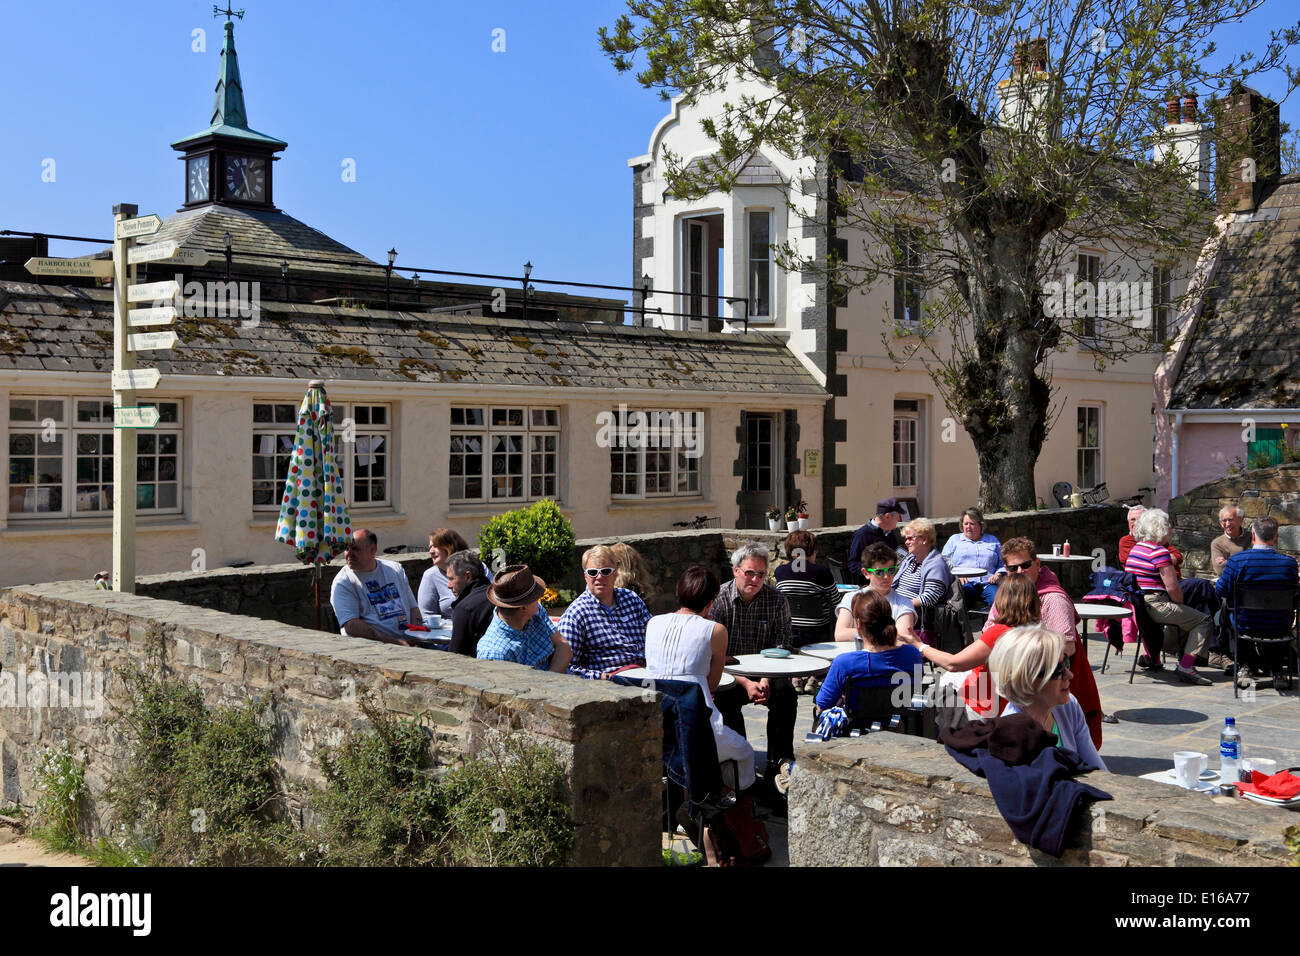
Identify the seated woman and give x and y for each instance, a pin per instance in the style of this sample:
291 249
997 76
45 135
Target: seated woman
629 569
971 547
923 578
688 646
435 595
879 565
881 657
1031 671
1017 605
811 586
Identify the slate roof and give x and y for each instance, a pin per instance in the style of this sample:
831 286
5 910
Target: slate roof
67 328
1245 349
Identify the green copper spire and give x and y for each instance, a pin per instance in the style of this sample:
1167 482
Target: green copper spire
228 110
229 116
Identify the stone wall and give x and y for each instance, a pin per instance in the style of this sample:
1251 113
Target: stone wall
609 736
1267 491
891 800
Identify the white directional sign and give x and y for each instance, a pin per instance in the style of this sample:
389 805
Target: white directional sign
160 315
166 251
154 291
135 417
143 226
145 341
99 268
136 378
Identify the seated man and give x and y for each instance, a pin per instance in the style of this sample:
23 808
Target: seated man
878 529
521 630
1259 566
471 612
372 598
1233 539
757 616
605 626
879 565
1126 543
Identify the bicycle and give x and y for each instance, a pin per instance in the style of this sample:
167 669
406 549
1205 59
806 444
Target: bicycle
701 521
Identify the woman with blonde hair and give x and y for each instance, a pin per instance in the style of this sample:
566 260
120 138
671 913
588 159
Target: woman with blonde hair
630 571
1031 671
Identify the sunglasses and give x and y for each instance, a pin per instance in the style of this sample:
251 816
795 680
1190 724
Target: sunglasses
881 570
594 573
1021 567
1061 668
753 574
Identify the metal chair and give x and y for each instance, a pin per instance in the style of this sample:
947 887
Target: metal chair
1061 492
1283 600
837 570
873 709
811 607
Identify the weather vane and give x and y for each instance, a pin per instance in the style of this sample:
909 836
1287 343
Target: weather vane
227 13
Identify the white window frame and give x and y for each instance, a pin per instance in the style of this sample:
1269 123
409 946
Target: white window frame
1088 323
539 425
282 435
1162 303
69 431
750 259
370 439
1097 450
682 469
898 466
909 295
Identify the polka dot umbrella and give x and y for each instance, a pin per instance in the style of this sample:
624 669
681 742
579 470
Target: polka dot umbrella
313 512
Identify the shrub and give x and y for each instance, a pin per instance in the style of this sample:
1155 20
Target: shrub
61 785
538 536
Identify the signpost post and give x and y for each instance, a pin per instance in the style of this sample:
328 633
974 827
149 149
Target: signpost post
124 458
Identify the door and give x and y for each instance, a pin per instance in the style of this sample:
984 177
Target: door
761 476
907 449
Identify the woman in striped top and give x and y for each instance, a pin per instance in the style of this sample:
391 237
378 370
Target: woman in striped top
809 588
1152 565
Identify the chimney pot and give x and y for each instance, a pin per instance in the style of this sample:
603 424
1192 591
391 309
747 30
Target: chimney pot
1038 52
1018 58
1189 108
1171 112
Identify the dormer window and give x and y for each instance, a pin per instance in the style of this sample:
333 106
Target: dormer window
759 230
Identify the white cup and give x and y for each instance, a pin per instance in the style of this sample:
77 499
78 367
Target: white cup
1188 766
1263 765
433 620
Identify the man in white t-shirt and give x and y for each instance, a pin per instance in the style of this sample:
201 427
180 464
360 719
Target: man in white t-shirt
879 565
372 598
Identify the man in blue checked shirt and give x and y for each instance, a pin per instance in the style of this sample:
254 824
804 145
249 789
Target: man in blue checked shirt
605 626
521 631
1261 566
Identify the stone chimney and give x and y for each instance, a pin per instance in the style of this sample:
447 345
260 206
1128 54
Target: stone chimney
1023 96
1186 138
1248 148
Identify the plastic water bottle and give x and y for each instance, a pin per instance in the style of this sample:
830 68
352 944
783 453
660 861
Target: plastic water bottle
1065 551
1229 750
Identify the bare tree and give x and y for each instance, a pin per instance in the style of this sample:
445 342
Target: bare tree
973 146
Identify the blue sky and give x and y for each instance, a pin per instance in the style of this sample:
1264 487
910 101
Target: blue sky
466 159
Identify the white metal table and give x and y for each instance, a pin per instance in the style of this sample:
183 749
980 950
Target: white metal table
796 665
640 673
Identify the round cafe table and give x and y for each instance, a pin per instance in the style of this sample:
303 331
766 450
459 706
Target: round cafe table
846 588
969 571
796 665
640 673
828 650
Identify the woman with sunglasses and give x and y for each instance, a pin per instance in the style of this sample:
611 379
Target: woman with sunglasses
1017 605
605 626
1031 671
879 565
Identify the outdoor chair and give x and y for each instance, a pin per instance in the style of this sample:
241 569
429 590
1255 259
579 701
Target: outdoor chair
837 570
883 708
1150 632
811 607
1061 492
1281 600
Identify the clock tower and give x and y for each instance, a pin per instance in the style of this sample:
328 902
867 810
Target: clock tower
228 163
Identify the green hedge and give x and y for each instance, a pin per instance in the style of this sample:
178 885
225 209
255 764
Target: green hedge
538 536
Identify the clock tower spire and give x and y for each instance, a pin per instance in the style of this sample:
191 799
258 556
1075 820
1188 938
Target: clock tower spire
229 163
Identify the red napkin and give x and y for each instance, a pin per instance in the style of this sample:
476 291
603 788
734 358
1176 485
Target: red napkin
1282 785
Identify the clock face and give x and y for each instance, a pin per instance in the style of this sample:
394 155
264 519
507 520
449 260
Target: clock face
197 179
246 178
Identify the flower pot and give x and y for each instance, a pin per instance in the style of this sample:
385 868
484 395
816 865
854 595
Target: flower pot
803 522
773 524
792 525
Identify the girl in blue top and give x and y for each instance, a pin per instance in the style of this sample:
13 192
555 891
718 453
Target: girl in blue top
881 660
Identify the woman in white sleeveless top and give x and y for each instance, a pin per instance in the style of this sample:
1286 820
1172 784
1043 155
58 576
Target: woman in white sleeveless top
688 646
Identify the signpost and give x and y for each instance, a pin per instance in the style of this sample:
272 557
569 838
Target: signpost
134 228
159 315
88 268
135 379
136 417
166 252
156 292
149 341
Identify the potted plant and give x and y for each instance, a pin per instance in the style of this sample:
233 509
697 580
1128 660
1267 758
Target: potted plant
802 509
791 519
774 518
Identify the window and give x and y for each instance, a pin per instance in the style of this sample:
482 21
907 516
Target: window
362 443
907 278
504 454
1089 445
61 467
1087 277
1162 299
760 264
1266 450
655 453
906 423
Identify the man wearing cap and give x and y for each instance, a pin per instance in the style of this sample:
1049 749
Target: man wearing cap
521 631
879 528
372 598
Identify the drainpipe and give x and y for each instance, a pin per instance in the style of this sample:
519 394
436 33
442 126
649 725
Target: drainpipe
1173 471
